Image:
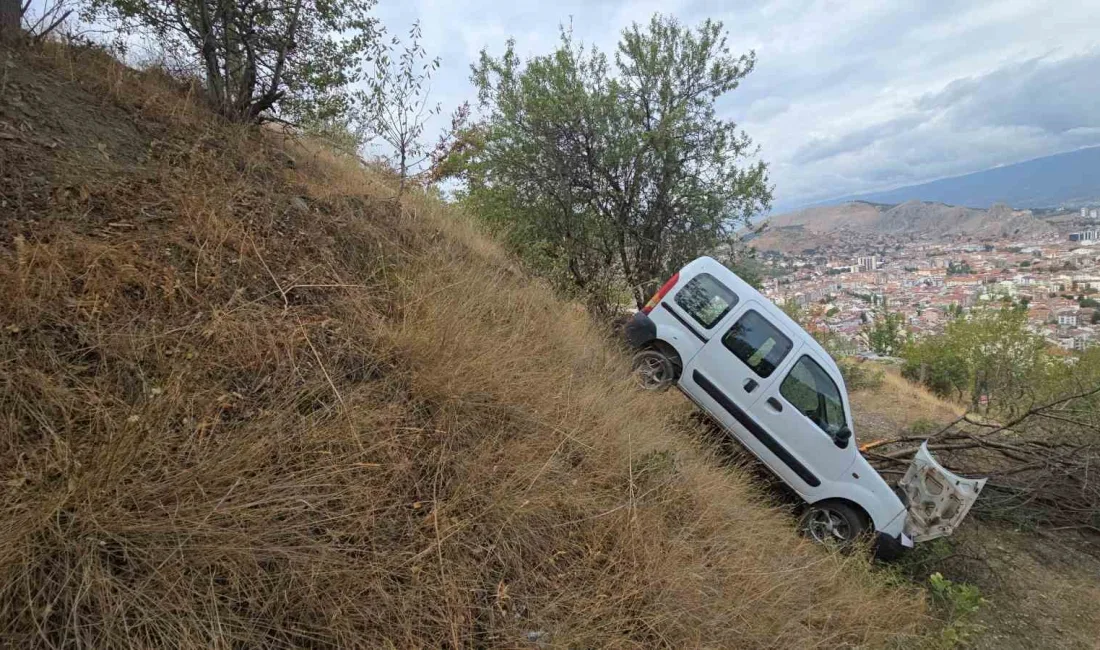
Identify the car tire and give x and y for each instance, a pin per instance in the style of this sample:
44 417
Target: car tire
654 370
833 522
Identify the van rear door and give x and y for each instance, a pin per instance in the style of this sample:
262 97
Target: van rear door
699 304
937 499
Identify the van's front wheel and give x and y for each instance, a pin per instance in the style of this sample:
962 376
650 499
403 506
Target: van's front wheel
654 370
833 522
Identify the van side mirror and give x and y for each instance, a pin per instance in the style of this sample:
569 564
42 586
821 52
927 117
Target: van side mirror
842 437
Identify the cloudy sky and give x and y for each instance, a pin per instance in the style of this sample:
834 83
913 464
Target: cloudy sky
847 96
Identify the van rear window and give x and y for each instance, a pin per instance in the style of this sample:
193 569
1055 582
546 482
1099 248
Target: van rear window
755 341
707 300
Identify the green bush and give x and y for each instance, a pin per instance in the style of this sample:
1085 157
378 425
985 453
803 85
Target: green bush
987 354
860 376
958 603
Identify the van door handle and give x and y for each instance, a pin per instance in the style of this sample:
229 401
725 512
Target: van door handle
775 404
750 385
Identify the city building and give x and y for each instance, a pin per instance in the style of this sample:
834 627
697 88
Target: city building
868 263
929 284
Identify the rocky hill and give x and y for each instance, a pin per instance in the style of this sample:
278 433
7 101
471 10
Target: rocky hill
914 220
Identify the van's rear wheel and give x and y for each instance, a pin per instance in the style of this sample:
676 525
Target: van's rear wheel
833 522
654 370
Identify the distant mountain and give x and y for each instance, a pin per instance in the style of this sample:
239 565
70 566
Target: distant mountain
1063 180
863 225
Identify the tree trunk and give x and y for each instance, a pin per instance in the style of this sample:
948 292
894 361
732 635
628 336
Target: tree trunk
11 15
404 171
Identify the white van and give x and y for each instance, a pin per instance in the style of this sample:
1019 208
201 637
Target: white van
774 388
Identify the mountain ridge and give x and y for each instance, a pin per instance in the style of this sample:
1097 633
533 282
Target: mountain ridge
1067 179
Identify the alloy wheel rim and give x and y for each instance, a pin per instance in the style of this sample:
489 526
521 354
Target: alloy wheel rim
826 525
652 372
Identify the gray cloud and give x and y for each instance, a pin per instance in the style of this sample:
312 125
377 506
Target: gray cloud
1015 112
1056 96
846 97
852 141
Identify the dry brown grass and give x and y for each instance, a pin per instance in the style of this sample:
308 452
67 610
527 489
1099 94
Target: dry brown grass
890 409
247 403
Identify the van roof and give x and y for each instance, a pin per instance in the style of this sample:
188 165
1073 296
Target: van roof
747 291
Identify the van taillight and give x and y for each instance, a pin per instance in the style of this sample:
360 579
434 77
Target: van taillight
665 288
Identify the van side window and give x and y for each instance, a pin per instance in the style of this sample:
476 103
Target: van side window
755 341
707 300
814 393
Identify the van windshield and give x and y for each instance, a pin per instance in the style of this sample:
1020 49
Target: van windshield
706 300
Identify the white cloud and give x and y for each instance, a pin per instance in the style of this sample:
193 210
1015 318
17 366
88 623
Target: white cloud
847 96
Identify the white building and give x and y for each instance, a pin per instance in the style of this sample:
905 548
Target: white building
868 263
1067 317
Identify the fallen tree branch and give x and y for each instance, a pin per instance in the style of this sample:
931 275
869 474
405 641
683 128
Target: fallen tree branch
1037 463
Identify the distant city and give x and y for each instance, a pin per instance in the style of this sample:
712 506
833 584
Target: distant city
1054 276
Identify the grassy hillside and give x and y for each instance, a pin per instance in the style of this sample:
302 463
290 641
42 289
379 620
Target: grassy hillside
897 405
245 400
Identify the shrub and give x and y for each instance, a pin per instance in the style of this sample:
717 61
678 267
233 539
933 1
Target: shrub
860 376
958 603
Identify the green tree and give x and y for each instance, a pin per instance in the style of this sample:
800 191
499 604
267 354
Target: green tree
991 354
743 260
396 105
615 172
885 334
297 58
960 268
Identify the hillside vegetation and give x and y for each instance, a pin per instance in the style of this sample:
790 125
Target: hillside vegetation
247 400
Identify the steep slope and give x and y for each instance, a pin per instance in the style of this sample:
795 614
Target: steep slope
248 401
1067 179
